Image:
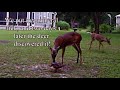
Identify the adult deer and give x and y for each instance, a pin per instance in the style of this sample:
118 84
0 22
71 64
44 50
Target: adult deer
61 42
99 38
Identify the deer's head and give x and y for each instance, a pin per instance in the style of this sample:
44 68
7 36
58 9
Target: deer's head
108 41
54 52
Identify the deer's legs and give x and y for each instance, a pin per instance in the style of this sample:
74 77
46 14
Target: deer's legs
77 47
90 44
63 51
100 43
81 60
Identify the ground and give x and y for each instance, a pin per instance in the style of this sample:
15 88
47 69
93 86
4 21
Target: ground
34 62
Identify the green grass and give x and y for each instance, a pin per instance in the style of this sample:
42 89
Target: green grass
15 62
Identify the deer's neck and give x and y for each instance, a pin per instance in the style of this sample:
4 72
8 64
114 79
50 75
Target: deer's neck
56 47
58 43
105 39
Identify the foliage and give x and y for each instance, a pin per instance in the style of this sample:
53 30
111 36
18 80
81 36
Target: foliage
104 28
91 23
118 29
63 25
84 17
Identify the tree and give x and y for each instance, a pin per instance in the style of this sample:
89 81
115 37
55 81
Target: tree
96 20
83 18
79 17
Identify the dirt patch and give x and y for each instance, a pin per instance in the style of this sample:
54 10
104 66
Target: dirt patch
44 71
95 71
67 71
4 41
64 69
43 67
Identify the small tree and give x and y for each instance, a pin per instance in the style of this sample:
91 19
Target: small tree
118 29
63 25
105 28
91 23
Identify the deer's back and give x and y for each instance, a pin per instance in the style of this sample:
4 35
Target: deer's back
98 37
68 39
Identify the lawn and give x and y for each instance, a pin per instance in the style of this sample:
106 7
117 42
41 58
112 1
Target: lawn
34 61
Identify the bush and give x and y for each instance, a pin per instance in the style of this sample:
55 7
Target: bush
118 29
63 25
91 25
113 27
89 29
105 28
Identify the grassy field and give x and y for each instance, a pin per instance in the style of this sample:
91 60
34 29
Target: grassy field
34 61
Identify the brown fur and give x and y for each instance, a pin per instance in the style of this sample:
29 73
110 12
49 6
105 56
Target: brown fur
99 38
68 39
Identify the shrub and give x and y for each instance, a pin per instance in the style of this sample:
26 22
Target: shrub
118 29
91 25
89 29
63 25
105 28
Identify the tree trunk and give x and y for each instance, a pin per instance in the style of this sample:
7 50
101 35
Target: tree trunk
96 17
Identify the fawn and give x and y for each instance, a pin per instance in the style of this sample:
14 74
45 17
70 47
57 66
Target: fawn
100 38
